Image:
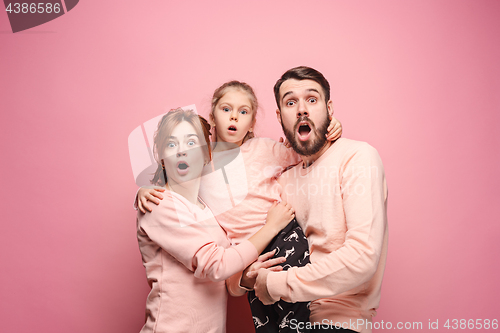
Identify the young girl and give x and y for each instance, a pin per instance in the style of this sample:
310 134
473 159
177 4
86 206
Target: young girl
184 250
241 196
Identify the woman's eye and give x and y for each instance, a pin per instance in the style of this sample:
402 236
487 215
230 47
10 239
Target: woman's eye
191 143
171 145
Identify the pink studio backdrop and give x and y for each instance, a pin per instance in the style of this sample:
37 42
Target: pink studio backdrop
419 80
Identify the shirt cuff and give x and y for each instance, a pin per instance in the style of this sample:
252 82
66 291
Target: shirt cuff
277 286
233 285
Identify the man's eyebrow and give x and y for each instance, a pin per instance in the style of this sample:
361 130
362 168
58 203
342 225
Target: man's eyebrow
287 93
308 90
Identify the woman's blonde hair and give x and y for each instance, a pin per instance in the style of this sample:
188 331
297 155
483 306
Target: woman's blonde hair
165 127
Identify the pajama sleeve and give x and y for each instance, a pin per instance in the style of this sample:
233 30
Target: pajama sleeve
173 227
285 157
356 261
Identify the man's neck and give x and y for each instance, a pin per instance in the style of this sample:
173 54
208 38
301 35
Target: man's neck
310 159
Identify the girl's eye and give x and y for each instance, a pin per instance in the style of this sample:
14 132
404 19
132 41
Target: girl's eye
243 111
225 109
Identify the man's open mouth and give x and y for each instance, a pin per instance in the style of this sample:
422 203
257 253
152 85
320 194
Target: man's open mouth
304 131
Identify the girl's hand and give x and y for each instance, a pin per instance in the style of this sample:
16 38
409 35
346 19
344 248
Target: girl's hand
285 142
264 261
148 193
279 215
334 130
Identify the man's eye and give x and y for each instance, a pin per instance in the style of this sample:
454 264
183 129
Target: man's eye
290 103
312 99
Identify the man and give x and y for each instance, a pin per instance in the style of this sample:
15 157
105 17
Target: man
339 195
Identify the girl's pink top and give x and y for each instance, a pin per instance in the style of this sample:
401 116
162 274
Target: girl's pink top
241 187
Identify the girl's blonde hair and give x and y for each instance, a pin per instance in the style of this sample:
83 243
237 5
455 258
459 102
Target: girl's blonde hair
165 127
222 90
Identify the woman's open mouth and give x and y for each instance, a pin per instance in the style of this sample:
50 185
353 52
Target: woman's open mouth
304 131
182 168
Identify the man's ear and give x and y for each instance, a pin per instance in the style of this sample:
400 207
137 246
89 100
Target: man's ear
278 115
329 107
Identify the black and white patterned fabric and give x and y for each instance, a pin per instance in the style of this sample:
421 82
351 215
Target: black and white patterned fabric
290 243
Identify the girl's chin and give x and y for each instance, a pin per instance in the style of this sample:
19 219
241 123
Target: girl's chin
232 140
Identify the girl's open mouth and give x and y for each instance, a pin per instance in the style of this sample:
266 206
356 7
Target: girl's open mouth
304 131
182 168
232 129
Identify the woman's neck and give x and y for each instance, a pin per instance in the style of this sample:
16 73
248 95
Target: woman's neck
189 190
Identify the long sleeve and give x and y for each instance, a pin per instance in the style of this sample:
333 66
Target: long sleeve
284 157
174 227
363 195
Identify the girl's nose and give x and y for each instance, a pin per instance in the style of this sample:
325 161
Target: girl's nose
233 115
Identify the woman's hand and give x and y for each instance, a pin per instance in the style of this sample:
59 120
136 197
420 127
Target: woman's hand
334 130
148 193
279 215
264 261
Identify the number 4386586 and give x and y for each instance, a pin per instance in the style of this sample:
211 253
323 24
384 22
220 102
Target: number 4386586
471 324
33 8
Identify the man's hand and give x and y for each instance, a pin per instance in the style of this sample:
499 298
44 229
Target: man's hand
260 287
264 261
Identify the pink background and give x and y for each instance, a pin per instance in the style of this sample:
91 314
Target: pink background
418 79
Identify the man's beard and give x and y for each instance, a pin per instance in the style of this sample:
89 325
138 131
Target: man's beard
309 147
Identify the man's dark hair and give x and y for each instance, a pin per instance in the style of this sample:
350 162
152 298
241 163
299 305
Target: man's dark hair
302 73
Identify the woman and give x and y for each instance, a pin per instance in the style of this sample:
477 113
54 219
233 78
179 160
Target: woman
184 250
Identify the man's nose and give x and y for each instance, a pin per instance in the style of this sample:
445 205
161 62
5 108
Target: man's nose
302 109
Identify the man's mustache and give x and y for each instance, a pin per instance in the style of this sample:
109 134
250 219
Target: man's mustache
304 118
